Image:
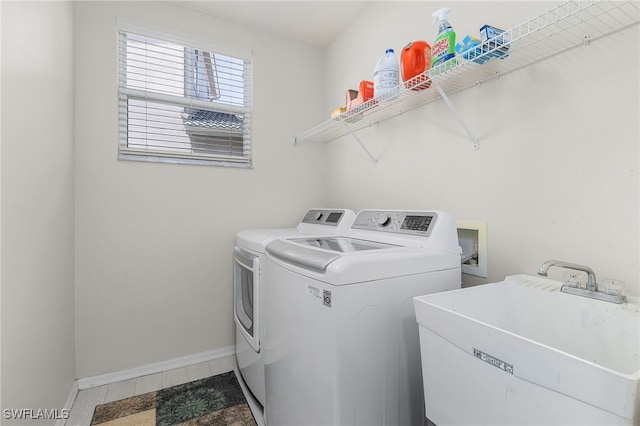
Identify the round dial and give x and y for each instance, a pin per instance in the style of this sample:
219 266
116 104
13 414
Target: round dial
383 219
319 216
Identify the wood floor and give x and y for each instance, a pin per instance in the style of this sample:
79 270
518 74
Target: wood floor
87 399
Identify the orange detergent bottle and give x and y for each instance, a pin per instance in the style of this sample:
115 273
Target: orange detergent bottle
415 59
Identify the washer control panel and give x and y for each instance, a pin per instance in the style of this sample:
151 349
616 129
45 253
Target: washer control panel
400 222
323 217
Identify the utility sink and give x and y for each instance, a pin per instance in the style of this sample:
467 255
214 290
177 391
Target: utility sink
521 352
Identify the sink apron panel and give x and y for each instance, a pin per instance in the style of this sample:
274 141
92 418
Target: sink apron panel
499 365
464 390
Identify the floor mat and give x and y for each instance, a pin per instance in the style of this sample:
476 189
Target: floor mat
213 401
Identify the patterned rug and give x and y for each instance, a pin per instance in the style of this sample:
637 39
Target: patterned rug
214 401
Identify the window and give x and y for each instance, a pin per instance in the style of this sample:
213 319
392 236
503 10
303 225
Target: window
182 101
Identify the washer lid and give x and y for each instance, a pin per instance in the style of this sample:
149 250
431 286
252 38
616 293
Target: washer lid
342 244
344 260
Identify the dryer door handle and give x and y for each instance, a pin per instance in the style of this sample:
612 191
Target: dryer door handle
245 259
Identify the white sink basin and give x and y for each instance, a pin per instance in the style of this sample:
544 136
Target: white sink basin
521 352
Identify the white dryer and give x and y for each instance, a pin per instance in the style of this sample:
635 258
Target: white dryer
342 343
249 280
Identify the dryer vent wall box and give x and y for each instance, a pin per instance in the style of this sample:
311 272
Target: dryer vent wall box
472 236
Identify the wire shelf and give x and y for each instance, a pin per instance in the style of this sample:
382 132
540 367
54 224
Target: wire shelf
566 26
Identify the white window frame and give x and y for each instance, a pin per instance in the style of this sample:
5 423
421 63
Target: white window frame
211 104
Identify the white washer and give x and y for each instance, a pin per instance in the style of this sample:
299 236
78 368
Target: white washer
249 280
341 342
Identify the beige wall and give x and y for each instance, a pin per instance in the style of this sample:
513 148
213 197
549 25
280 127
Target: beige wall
556 175
38 361
154 241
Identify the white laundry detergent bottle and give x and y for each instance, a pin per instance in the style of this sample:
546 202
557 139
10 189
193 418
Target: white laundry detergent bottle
386 77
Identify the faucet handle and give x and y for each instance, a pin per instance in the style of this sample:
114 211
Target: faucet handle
572 279
613 287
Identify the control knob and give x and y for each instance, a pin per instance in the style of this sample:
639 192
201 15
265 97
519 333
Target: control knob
383 219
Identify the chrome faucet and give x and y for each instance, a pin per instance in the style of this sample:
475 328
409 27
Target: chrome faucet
592 285
591 289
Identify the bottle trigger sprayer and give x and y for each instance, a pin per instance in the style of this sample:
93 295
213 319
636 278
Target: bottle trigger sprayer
444 47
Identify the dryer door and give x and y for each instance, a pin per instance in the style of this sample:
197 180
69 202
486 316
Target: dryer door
246 269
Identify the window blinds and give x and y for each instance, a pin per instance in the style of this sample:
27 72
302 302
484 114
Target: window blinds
182 103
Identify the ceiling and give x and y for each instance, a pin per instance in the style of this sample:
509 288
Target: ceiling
312 22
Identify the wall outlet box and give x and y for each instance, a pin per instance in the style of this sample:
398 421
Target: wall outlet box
472 237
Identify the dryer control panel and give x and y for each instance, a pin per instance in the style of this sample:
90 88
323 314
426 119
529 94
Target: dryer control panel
392 221
323 217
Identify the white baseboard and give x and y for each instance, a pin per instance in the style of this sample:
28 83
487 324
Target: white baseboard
73 393
158 367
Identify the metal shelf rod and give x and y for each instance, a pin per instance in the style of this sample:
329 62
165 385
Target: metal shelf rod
458 116
355 136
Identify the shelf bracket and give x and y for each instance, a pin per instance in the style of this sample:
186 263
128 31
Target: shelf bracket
457 115
375 161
